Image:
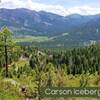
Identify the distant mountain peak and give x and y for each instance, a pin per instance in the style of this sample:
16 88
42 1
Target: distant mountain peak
29 22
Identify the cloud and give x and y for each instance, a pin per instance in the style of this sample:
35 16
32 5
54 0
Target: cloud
84 10
58 9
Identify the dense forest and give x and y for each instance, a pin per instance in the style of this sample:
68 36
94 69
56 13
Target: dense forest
24 70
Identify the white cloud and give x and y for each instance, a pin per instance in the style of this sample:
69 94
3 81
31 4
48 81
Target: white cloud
32 5
84 10
58 9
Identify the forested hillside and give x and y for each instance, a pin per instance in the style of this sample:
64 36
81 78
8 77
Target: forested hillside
24 70
59 31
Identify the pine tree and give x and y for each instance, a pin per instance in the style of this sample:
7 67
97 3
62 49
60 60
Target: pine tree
6 43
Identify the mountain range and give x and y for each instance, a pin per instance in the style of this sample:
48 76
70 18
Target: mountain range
71 30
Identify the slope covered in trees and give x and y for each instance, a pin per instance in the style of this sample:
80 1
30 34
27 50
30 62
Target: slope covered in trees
28 69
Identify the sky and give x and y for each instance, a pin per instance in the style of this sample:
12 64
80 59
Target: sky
61 7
